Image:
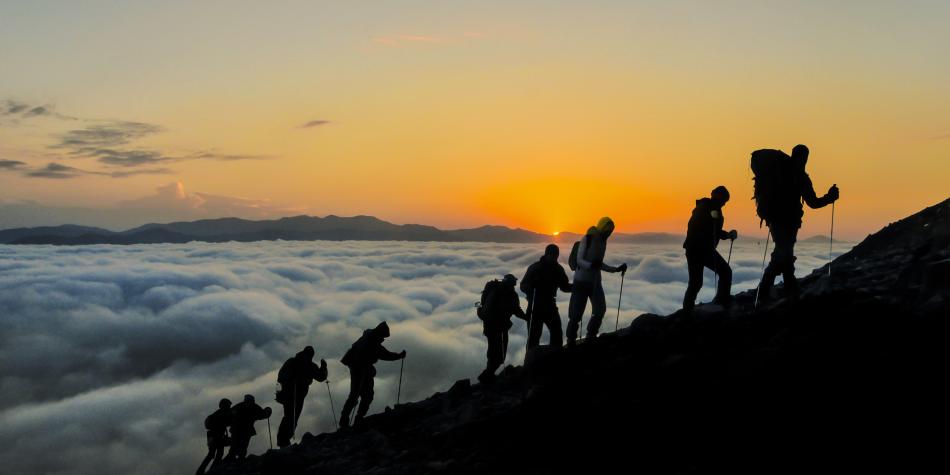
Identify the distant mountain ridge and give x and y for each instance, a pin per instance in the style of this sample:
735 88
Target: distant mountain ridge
296 228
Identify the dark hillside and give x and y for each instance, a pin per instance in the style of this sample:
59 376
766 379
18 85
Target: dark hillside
849 379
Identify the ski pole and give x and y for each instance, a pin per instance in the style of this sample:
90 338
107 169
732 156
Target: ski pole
332 409
766 251
729 260
619 298
269 436
831 239
402 364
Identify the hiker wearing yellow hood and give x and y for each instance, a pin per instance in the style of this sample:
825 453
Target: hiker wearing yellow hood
587 283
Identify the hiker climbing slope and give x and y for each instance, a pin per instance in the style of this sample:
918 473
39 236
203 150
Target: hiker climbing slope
540 284
244 414
702 236
781 185
587 280
295 377
498 303
217 426
360 358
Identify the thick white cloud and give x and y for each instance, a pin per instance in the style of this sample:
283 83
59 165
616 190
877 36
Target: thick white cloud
111 356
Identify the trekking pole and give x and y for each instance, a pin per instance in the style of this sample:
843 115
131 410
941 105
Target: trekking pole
269 436
617 323
294 434
332 409
766 251
402 364
831 239
729 260
527 345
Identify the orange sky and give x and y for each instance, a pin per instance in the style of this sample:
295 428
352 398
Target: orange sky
542 116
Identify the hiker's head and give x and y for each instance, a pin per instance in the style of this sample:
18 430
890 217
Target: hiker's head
382 330
249 399
308 352
552 251
509 279
800 154
224 403
605 226
720 194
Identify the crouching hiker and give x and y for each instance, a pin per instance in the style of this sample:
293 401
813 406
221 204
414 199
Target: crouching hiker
217 426
244 415
360 358
498 303
295 377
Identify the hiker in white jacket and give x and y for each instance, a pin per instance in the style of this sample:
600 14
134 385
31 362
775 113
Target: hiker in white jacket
587 281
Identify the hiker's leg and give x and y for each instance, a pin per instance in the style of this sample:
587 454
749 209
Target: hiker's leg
575 311
694 266
783 258
352 398
204 463
285 431
598 305
366 395
722 269
553 321
536 325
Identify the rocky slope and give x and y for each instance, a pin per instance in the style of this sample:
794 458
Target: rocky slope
850 378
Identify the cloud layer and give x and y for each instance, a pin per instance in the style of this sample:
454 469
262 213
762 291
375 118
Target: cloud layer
113 355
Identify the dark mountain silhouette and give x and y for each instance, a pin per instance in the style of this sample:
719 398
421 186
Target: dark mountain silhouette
849 379
67 230
297 228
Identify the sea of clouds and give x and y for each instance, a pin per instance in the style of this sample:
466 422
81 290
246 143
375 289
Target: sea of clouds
111 356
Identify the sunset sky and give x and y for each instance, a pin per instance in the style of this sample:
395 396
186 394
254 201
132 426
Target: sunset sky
544 115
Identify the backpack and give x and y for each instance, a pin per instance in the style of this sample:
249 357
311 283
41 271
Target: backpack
572 260
488 301
773 181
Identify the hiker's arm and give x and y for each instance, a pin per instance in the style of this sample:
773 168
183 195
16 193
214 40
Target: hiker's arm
582 262
516 307
723 235
319 373
387 355
562 281
812 200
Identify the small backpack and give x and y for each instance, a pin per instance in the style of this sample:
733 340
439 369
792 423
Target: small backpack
572 260
488 301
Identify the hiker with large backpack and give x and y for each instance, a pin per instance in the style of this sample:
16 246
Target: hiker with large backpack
217 426
498 304
587 280
781 185
360 358
703 234
244 414
294 378
540 284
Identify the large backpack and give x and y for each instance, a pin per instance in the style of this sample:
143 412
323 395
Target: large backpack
572 260
489 301
771 170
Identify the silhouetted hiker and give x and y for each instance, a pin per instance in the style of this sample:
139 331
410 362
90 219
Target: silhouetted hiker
360 358
295 377
540 283
217 426
243 416
498 303
781 185
587 283
702 236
